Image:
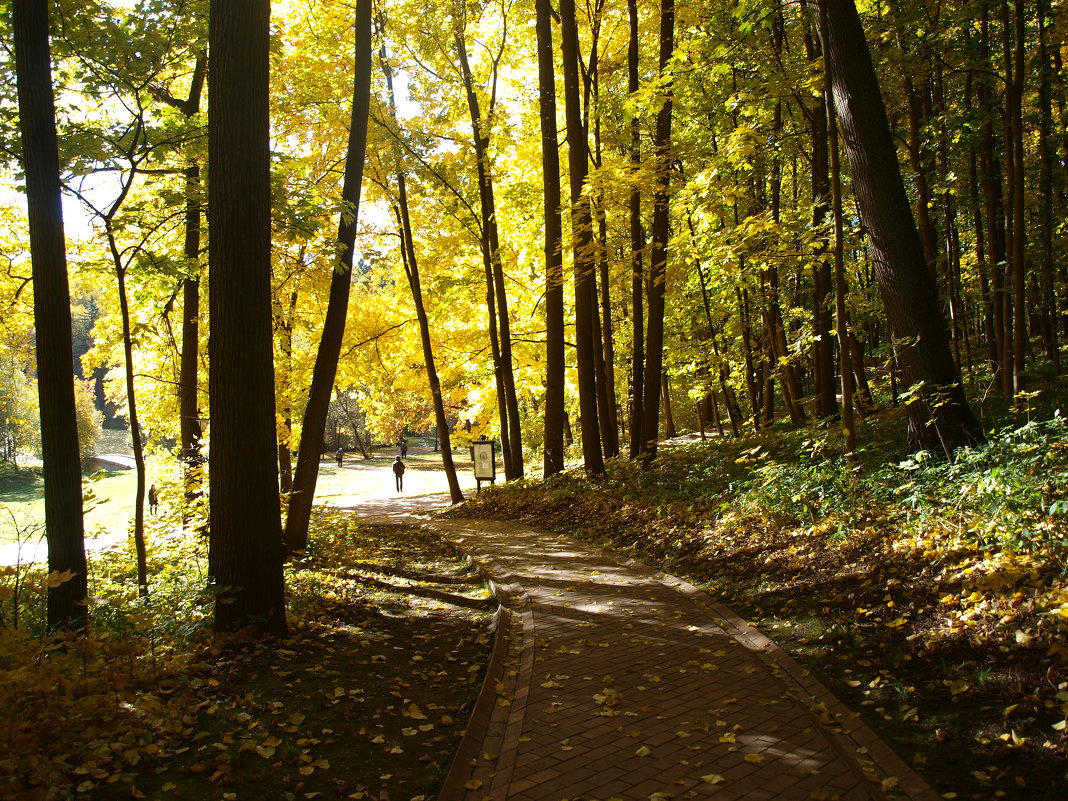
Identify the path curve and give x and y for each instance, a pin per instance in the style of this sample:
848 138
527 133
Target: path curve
612 680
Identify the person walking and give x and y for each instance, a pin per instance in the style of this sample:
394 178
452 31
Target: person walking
340 456
153 500
398 471
404 448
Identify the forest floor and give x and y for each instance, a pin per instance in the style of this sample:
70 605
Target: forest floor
931 598
366 698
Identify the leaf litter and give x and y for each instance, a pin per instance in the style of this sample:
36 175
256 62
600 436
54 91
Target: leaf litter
366 699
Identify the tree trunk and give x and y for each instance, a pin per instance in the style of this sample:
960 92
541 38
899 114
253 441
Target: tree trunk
637 246
554 262
1049 301
326 358
411 271
582 243
654 339
512 438
669 417
245 553
140 550
52 319
940 418
1019 233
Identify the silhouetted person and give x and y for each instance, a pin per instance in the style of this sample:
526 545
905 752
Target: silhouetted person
398 471
340 456
153 500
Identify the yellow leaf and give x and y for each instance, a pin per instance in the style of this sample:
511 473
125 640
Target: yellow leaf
473 784
756 759
712 778
414 712
643 751
323 764
306 770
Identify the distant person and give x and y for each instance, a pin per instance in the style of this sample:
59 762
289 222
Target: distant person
340 456
404 448
398 471
153 500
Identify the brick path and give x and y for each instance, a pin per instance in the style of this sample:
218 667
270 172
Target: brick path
610 680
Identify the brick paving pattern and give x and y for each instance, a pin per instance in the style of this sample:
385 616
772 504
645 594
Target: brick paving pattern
611 680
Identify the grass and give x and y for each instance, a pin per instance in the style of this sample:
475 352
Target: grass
931 597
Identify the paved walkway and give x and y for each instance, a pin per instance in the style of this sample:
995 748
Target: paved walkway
610 680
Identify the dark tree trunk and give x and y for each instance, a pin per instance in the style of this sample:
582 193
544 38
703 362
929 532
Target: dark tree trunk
189 381
1046 155
52 319
554 264
1019 234
511 434
657 285
582 238
993 205
326 358
246 547
411 271
610 433
637 246
940 419
140 550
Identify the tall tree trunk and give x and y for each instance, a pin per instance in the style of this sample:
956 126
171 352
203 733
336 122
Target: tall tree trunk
823 368
610 428
140 550
190 431
326 358
283 325
993 205
637 246
1049 302
940 419
657 285
582 243
411 271
51 312
669 417
849 428
554 262
491 248
1019 235
245 553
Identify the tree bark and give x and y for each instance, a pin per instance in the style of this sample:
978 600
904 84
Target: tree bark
326 358
52 318
582 243
411 271
939 419
554 264
654 339
512 438
637 247
245 553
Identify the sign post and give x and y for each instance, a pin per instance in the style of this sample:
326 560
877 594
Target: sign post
483 455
